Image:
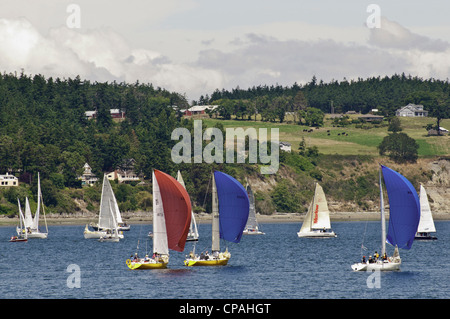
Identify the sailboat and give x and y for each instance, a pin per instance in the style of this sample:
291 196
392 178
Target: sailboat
193 231
171 221
107 224
31 225
426 223
252 227
21 231
230 208
404 215
317 219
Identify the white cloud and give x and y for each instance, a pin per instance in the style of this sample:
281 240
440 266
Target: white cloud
99 55
222 58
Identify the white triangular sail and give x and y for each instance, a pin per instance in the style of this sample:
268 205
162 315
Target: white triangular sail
321 214
106 206
21 231
160 244
193 231
38 208
32 224
318 215
426 223
252 223
28 221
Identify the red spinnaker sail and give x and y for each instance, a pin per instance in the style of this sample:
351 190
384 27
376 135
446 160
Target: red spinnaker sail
177 210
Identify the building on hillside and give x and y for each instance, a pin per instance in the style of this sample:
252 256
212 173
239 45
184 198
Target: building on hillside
123 176
115 114
199 109
412 110
8 180
88 178
285 146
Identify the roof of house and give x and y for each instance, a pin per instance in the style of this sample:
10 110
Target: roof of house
199 108
413 107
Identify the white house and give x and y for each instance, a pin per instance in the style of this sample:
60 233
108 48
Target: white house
8 180
199 109
412 110
285 146
115 114
88 178
123 176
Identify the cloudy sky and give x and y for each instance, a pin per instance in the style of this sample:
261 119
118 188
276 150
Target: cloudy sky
196 46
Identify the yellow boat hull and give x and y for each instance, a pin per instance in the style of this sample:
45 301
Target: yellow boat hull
146 265
222 260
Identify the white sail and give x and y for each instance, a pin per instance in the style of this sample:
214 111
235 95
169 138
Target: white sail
306 226
426 223
28 221
32 224
21 231
318 215
193 231
104 219
215 218
116 210
321 214
38 208
160 244
252 223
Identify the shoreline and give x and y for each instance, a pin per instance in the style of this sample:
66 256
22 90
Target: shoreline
146 218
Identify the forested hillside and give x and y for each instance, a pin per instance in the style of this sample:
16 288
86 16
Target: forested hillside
43 128
386 94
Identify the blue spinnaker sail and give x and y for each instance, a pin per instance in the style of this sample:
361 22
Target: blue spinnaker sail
233 207
404 209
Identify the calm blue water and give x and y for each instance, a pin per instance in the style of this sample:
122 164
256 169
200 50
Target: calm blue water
277 265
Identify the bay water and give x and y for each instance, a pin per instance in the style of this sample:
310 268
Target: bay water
277 265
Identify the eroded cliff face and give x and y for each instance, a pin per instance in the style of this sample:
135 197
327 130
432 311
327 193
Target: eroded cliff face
438 188
433 173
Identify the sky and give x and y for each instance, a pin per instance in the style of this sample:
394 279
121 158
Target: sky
194 47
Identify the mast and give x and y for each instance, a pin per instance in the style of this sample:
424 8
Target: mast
215 218
313 206
383 221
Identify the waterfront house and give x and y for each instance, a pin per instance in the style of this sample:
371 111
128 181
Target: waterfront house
8 180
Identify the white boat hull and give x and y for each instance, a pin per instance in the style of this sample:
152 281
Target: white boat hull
424 236
94 234
253 232
32 234
37 235
379 265
112 239
97 234
317 234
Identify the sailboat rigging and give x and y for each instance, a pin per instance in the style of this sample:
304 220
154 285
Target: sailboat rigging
193 231
317 219
230 209
171 221
21 231
252 226
31 225
107 229
404 217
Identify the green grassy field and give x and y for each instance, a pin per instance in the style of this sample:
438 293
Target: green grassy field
356 141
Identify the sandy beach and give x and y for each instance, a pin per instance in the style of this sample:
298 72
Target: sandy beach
146 218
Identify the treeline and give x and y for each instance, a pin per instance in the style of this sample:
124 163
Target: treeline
386 94
43 127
